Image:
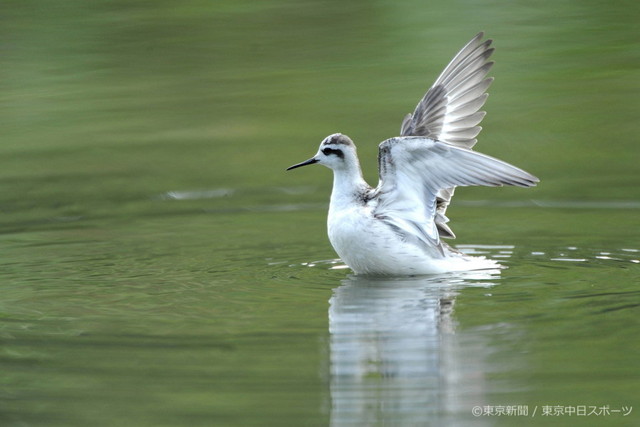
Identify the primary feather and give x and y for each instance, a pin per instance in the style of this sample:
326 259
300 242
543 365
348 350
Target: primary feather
449 111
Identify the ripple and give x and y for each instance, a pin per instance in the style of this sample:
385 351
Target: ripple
565 255
197 194
293 191
332 264
213 193
602 257
493 251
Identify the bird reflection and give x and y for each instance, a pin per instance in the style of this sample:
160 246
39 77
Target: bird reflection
394 354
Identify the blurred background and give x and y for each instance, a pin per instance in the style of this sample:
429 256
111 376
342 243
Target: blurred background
115 102
153 244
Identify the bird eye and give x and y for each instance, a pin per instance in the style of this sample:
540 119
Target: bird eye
328 151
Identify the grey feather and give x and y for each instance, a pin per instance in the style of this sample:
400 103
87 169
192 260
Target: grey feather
418 175
450 110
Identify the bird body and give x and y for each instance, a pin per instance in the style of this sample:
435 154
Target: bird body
397 227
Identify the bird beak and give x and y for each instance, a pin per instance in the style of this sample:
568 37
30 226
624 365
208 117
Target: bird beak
305 163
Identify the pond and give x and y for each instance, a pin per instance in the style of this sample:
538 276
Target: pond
160 268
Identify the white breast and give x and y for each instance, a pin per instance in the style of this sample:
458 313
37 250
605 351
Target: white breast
369 246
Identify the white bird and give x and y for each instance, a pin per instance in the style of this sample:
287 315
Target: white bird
397 227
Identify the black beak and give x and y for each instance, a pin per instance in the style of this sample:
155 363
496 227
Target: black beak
305 163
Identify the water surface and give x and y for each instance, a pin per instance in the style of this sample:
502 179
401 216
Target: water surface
160 268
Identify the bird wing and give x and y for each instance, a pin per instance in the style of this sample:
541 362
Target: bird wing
450 110
413 170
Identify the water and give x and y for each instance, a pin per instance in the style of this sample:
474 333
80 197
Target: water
159 267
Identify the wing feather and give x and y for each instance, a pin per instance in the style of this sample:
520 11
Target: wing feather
414 171
450 110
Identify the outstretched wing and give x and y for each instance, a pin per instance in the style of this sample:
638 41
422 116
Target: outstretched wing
413 170
449 111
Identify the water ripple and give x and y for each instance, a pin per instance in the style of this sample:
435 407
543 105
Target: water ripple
568 255
212 193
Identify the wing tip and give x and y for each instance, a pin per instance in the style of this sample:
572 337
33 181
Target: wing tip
479 36
527 181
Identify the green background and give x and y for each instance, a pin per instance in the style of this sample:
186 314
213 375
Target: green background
159 267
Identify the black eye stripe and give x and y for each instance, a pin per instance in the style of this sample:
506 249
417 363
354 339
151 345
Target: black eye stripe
327 151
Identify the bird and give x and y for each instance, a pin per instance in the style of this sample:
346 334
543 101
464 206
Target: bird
397 228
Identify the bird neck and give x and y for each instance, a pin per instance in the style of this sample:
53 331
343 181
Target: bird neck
348 185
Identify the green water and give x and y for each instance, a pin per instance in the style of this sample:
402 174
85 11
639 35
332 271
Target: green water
159 268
